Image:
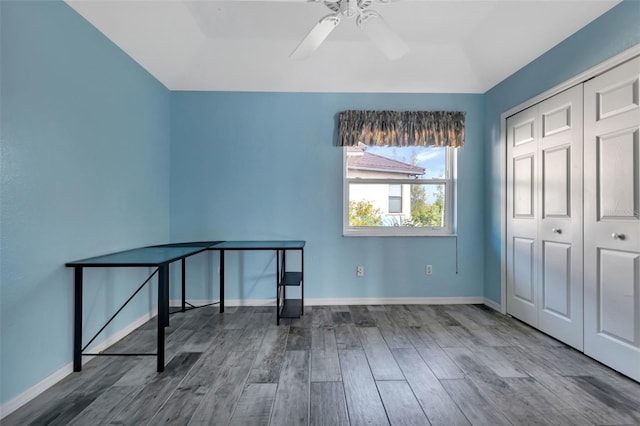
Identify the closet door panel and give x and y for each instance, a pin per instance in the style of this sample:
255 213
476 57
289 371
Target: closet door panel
560 225
556 279
617 172
556 166
524 186
522 216
612 218
524 286
618 278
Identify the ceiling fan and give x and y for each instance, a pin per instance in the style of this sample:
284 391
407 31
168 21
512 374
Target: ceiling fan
368 20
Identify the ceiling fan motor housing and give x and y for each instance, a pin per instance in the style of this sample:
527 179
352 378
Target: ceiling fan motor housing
367 20
348 8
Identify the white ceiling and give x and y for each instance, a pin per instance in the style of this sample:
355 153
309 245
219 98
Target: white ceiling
456 46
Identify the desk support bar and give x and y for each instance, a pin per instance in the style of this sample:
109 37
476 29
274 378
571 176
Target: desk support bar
118 311
127 354
78 349
184 303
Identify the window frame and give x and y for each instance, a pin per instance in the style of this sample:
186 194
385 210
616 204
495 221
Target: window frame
395 198
450 190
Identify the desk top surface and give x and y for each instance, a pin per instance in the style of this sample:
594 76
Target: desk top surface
259 245
167 253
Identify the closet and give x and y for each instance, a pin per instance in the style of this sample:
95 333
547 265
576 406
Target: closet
544 208
573 217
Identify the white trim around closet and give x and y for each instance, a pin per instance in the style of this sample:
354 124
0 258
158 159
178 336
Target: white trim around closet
612 62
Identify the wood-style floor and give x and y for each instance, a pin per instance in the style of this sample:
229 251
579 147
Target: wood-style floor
341 365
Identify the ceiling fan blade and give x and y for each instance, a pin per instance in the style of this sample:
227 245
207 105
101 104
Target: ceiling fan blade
316 36
385 39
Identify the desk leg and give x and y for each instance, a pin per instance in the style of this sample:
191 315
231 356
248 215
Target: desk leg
77 319
163 310
278 287
166 297
184 284
221 281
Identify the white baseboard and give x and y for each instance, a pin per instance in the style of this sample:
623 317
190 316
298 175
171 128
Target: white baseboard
493 305
35 390
348 301
396 301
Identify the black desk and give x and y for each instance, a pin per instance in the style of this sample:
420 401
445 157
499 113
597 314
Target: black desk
161 257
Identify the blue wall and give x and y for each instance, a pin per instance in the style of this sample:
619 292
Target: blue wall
84 171
610 34
91 143
265 165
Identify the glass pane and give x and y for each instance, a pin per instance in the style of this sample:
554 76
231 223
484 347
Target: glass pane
380 162
395 205
395 190
420 205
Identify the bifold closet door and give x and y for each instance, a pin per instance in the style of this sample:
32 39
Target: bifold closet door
612 218
522 216
560 285
544 211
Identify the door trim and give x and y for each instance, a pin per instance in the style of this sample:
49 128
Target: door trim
592 72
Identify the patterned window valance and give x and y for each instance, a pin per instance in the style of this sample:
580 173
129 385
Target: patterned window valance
401 128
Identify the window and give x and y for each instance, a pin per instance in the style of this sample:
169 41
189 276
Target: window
395 198
394 191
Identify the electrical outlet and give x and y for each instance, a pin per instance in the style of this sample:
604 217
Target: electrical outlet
360 271
429 270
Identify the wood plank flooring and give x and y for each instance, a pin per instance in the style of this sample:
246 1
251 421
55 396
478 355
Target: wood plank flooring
342 365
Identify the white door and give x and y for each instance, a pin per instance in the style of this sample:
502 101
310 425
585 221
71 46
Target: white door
560 283
544 210
612 218
522 216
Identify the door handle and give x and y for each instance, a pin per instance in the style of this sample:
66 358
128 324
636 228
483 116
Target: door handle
618 236
556 231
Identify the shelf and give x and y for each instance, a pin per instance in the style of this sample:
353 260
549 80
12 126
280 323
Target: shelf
285 307
292 308
291 279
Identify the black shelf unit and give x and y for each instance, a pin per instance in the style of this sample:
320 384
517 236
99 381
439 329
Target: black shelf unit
289 308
